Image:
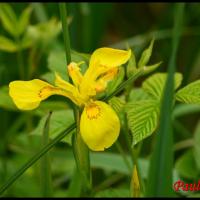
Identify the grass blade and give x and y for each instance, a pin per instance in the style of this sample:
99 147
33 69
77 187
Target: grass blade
160 172
46 181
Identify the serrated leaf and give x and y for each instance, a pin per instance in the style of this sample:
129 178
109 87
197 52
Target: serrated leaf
190 93
154 85
24 20
7 44
146 54
138 94
60 120
8 18
142 118
117 104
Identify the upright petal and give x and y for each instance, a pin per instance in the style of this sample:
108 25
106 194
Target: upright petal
71 90
109 58
27 95
99 126
102 60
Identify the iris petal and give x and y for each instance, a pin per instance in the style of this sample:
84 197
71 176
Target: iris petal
99 126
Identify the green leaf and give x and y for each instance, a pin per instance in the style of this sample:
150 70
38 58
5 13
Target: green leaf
142 118
5 100
7 44
131 67
154 85
59 121
197 145
138 94
8 18
186 166
117 104
150 68
24 20
190 93
146 54
117 193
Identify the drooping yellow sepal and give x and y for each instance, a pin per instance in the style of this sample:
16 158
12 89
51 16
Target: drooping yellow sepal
99 125
27 95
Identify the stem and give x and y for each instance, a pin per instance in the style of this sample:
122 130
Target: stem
81 151
63 14
126 161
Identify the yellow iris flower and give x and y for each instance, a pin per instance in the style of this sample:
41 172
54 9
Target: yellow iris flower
99 124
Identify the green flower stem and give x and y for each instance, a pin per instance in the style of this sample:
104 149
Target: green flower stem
126 161
81 151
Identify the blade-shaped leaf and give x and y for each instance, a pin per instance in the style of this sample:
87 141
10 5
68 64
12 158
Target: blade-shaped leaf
154 85
24 20
146 54
142 118
190 93
8 18
7 44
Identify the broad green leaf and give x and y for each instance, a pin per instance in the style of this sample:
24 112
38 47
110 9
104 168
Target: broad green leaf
7 44
190 93
49 77
112 85
197 145
146 54
117 193
138 94
8 18
154 85
60 120
5 100
117 104
24 20
186 166
142 118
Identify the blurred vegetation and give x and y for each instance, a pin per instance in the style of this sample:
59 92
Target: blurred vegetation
33 48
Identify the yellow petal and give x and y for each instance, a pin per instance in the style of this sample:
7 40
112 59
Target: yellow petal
99 125
27 95
102 60
109 58
101 83
71 91
75 74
